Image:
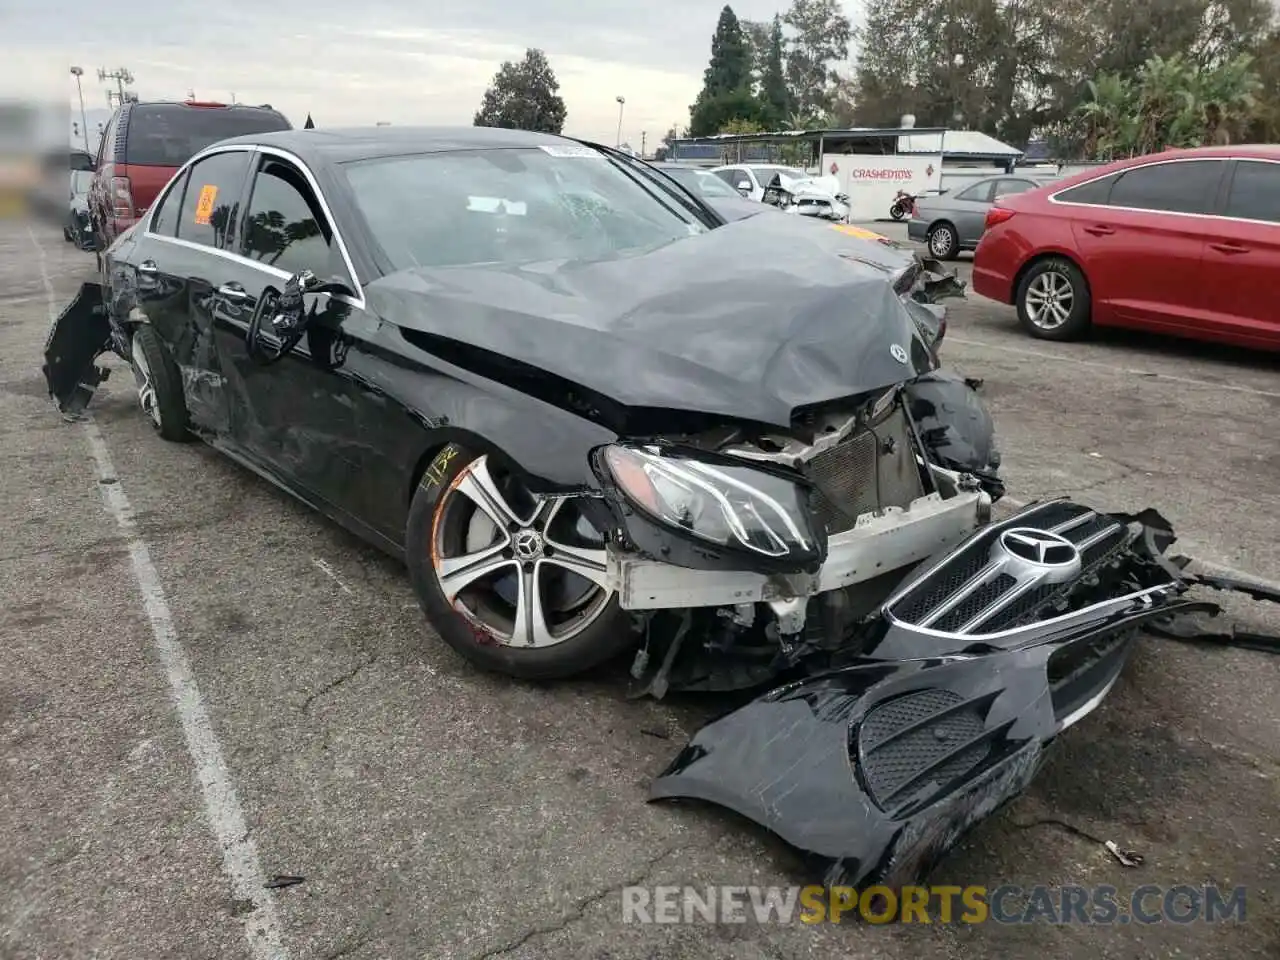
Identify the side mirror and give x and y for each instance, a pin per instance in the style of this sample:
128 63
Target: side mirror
744 186
289 315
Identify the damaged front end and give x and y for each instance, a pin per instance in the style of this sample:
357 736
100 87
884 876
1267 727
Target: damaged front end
952 691
78 336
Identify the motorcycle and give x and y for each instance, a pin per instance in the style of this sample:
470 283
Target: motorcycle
902 205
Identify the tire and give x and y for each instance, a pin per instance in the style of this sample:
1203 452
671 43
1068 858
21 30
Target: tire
66 235
1053 300
159 385
897 211
482 619
942 241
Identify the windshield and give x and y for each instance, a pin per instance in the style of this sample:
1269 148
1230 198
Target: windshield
700 182
80 181
512 205
766 174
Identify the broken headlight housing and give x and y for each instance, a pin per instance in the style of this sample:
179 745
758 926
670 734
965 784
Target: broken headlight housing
733 506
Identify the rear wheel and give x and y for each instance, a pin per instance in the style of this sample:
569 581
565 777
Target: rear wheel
943 241
1053 300
515 582
159 384
897 211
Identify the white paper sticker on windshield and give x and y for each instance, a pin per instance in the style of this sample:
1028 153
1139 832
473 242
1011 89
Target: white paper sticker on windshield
570 150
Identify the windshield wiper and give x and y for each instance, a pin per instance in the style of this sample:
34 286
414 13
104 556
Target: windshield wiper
681 194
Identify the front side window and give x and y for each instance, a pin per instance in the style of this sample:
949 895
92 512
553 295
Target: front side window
553 202
1255 191
1182 187
283 225
211 204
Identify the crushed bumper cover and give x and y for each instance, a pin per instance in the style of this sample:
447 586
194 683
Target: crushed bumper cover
77 338
878 767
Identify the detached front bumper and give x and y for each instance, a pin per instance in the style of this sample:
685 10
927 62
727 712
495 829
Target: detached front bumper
878 544
978 662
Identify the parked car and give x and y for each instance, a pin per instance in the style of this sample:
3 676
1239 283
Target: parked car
949 222
1185 242
143 146
593 417
77 228
789 188
725 200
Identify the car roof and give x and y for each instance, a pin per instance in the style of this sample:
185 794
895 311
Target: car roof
369 143
1261 151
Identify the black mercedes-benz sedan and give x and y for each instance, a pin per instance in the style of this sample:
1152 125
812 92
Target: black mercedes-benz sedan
592 416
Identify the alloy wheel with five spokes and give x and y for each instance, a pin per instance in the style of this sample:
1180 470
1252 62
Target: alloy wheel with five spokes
526 571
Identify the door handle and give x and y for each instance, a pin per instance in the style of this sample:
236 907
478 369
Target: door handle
1230 247
148 268
1099 230
233 292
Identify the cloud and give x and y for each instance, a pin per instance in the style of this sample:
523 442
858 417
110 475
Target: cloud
376 60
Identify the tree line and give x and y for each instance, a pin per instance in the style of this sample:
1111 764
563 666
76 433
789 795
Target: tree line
1098 79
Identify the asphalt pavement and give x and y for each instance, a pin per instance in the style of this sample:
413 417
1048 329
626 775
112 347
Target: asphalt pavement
204 686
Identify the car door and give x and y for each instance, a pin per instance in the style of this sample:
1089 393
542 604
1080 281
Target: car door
1142 248
967 210
1242 257
174 264
305 418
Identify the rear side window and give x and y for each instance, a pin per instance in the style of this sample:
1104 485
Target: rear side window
1006 188
170 134
212 200
1255 191
1183 187
284 226
1095 191
979 192
165 219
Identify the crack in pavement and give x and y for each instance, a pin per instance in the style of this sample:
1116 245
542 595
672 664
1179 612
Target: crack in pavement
579 908
337 682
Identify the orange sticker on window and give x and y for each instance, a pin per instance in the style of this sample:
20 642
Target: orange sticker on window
204 206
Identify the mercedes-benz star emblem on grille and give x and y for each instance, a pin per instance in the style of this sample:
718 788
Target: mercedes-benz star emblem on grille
1040 547
898 353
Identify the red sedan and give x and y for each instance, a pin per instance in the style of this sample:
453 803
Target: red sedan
1185 242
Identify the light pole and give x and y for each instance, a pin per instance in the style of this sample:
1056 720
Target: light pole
78 72
622 102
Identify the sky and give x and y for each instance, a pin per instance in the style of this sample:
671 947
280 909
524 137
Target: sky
355 63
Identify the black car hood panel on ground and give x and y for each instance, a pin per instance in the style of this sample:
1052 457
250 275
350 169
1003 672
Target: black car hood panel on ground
749 321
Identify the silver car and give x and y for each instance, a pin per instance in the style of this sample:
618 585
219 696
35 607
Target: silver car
953 220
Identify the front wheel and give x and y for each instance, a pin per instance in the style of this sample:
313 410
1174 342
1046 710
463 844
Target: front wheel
515 582
1053 300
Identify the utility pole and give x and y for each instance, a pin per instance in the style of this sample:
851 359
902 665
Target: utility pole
120 75
643 137
78 72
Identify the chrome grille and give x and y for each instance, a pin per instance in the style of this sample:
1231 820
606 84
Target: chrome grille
980 590
871 469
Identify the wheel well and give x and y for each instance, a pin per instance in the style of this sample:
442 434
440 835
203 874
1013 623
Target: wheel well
1039 258
940 222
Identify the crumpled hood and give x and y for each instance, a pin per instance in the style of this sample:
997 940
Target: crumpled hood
748 321
818 187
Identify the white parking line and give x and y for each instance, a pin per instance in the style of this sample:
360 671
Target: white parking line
221 804
1114 368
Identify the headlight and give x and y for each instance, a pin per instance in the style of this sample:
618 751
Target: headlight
729 505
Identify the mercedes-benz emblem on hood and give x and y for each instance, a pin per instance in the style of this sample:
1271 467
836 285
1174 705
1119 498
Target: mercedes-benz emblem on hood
898 353
1039 547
